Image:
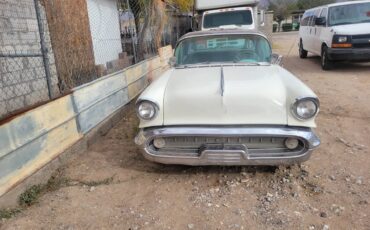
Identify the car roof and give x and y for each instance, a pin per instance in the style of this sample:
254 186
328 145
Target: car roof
347 3
340 4
222 32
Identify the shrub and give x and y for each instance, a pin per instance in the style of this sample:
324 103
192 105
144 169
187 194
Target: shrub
274 27
31 195
287 27
296 26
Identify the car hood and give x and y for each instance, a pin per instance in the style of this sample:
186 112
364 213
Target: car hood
251 95
352 29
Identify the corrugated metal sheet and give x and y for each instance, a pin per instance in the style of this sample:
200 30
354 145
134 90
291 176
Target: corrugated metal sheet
35 138
96 101
32 140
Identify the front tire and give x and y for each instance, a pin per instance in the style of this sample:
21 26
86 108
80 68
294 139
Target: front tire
302 52
326 64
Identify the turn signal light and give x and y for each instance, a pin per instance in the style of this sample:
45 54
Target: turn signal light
291 143
343 45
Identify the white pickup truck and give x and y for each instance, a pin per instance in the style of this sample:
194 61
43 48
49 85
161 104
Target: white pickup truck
227 14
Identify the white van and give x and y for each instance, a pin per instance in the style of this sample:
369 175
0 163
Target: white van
240 17
336 32
227 14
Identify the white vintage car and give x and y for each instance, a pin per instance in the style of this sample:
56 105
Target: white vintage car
225 102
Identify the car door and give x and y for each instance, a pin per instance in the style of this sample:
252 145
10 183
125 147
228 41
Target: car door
319 32
312 36
305 30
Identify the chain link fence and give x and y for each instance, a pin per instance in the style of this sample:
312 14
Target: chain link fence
149 25
27 72
71 36
49 47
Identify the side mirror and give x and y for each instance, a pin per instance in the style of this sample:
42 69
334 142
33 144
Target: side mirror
320 21
277 59
262 18
172 61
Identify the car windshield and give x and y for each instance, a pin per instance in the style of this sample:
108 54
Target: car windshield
349 14
238 18
223 48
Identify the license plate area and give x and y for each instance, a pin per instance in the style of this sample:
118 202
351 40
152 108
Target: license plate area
224 152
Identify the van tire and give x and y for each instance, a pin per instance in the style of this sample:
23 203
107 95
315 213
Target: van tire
302 52
326 64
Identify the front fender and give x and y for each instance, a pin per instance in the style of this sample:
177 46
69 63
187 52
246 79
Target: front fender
155 93
296 89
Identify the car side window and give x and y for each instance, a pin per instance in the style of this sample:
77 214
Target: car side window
310 20
315 15
310 17
306 18
324 13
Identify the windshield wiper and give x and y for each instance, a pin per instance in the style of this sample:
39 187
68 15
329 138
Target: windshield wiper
248 63
194 65
234 63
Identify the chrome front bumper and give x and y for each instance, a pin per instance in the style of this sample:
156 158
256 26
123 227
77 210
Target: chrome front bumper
232 147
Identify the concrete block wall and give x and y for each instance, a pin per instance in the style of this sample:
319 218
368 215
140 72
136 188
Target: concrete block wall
121 63
22 79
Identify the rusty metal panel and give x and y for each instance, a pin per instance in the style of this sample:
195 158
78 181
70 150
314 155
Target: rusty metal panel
35 138
97 100
32 140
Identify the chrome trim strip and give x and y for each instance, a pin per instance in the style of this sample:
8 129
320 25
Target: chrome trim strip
222 81
145 137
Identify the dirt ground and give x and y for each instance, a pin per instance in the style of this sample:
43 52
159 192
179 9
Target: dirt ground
113 187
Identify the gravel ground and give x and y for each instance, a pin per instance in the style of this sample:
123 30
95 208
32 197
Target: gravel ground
113 187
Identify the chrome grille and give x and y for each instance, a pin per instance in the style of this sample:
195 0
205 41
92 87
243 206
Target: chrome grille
250 142
361 41
362 36
256 147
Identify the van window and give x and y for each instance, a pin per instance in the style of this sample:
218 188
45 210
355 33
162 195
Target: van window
238 18
306 18
349 14
315 15
324 13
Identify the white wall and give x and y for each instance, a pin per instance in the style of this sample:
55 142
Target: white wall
105 30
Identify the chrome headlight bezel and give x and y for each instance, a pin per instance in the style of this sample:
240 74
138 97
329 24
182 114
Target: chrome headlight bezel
154 109
298 101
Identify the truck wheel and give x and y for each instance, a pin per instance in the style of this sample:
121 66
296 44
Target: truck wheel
302 52
326 64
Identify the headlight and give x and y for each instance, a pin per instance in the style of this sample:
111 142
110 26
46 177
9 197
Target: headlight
146 110
306 108
342 39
